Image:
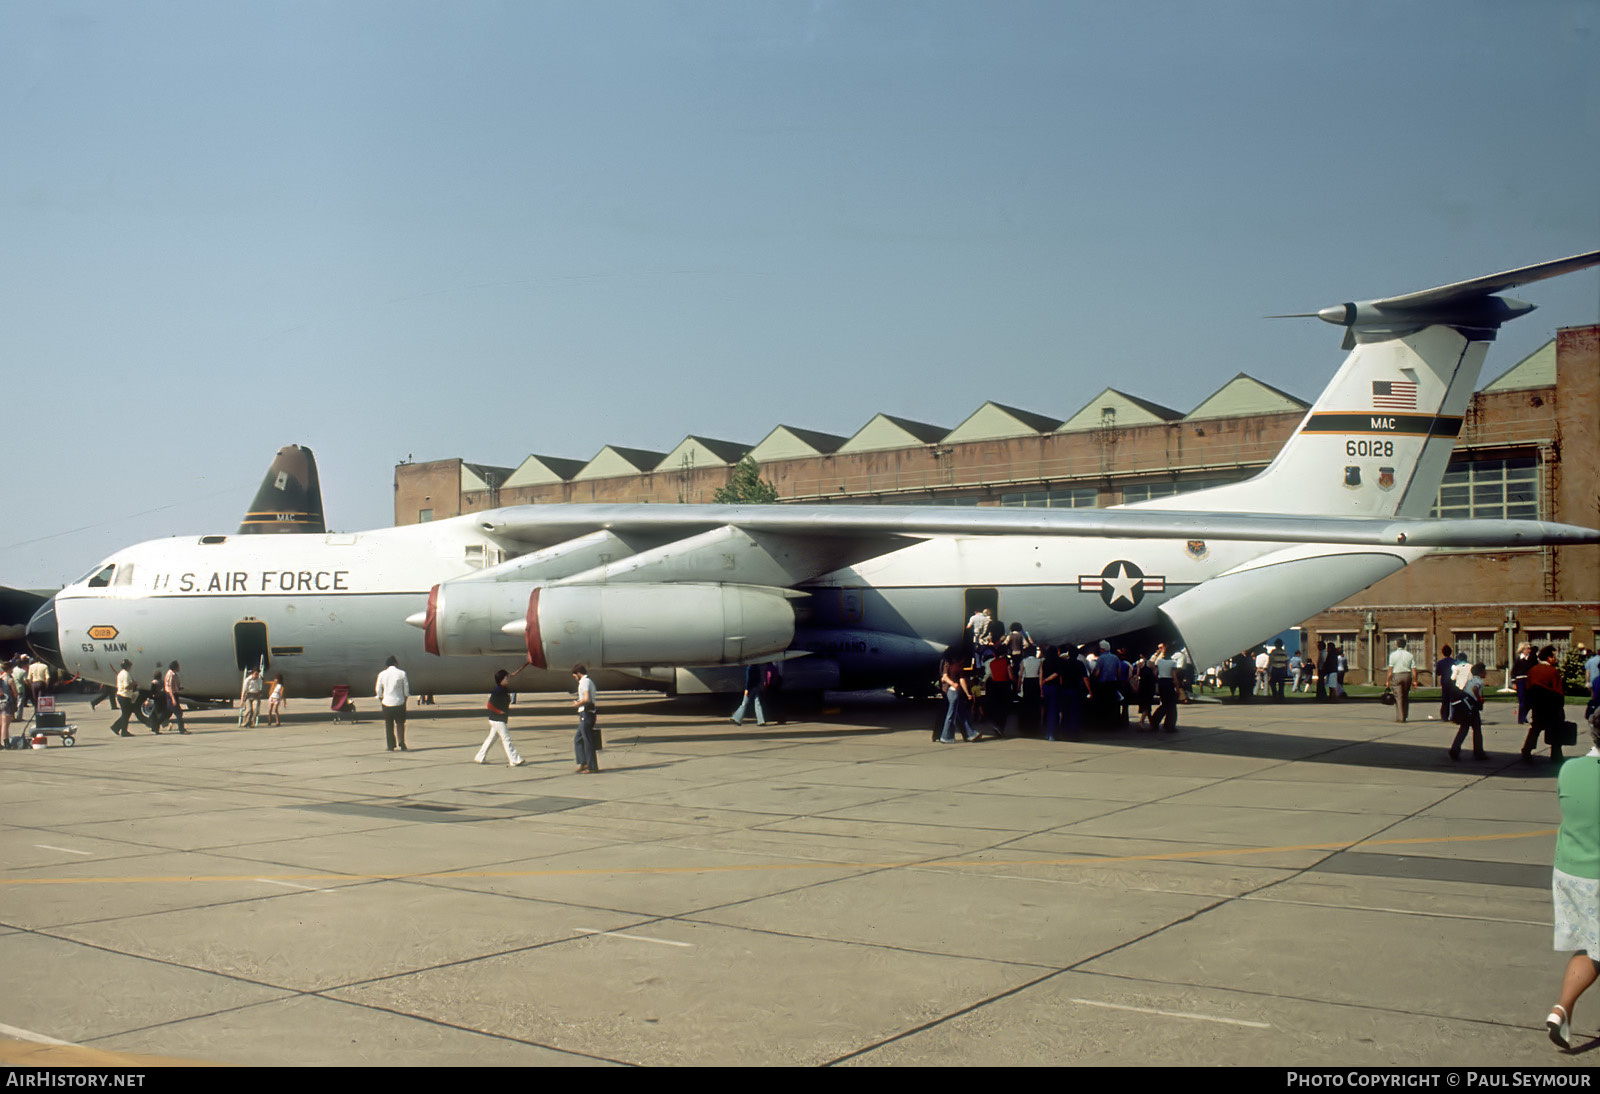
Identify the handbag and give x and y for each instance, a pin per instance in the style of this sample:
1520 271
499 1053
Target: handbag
1387 698
1564 734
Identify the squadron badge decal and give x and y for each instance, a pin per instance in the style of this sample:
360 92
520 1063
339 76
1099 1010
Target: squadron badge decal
1121 585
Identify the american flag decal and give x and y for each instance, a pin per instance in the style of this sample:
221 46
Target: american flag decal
1394 395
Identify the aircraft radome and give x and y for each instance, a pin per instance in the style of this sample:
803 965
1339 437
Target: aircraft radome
676 597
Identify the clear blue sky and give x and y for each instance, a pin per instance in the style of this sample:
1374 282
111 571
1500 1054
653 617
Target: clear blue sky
477 229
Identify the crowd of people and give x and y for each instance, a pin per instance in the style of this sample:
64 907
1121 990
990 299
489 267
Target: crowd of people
22 681
1000 682
1269 671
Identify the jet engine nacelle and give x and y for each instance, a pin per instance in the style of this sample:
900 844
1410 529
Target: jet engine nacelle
612 625
653 624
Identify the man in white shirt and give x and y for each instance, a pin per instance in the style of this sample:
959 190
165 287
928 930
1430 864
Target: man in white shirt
127 700
392 691
978 625
583 743
1402 667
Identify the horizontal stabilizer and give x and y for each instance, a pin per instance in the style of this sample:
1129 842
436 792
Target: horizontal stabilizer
1470 306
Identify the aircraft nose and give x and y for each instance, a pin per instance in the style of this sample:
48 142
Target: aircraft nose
43 637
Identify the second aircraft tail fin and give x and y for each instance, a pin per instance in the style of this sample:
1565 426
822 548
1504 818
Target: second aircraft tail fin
290 498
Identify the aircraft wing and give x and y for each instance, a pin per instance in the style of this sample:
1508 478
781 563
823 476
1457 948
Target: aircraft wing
544 525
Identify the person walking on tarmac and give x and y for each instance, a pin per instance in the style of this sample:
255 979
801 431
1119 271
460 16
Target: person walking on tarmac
174 688
1402 667
392 691
1575 883
499 706
127 701
583 742
158 702
755 687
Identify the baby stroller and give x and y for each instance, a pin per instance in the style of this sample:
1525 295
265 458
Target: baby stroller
343 709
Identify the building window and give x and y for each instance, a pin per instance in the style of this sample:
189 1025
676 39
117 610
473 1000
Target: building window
1083 498
1416 646
1144 491
1560 639
1345 640
1475 646
1506 489
424 516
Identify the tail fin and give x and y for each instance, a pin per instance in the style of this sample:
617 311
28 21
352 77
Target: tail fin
290 498
1379 438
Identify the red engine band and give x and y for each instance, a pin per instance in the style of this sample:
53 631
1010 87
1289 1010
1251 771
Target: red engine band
531 633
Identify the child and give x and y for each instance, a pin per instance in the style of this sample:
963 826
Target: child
275 700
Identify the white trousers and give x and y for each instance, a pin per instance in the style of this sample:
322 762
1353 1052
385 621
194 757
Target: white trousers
498 729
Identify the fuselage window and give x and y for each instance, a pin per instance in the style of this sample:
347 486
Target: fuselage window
103 578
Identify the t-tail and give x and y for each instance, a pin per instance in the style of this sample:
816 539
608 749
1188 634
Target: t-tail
1379 438
290 498
1376 444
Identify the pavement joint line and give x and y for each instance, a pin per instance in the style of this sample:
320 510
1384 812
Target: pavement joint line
442 1024
1172 1013
67 850
1168 856
922 1027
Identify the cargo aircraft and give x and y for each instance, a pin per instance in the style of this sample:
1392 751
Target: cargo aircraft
677 597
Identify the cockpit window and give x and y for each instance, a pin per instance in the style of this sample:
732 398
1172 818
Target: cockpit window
103 578
124 574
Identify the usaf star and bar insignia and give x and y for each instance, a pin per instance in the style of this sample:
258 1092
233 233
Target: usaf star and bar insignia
1121 585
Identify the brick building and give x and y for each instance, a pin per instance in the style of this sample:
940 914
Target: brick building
1529 447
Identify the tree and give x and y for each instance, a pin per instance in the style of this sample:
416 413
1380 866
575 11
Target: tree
746 486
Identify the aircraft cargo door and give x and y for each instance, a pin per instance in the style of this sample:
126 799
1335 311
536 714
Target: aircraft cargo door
975 600
250 645
978 599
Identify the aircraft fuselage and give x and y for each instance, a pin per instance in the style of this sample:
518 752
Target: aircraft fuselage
326 610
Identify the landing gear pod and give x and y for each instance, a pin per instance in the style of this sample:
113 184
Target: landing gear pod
627 625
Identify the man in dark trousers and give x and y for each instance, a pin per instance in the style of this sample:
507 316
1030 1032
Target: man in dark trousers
127 693
1277 670
1328 667
1441 675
